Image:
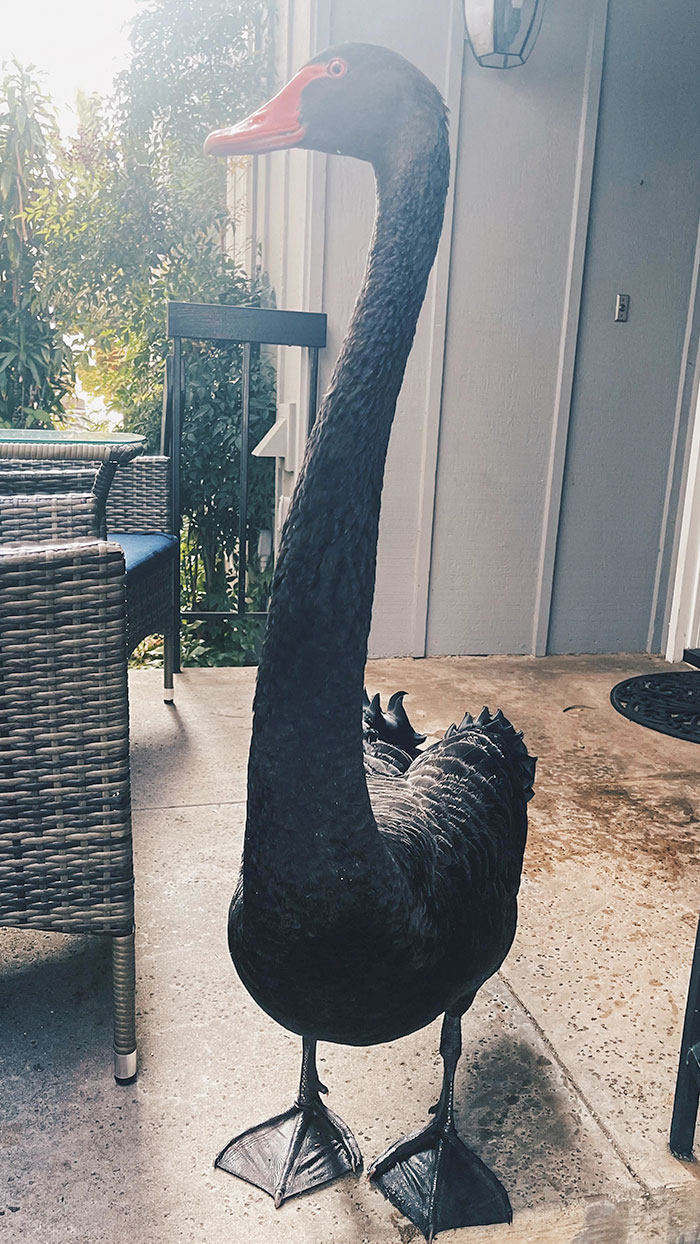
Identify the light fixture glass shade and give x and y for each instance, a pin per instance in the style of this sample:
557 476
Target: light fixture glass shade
502 33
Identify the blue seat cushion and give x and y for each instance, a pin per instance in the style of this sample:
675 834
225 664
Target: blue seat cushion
144 551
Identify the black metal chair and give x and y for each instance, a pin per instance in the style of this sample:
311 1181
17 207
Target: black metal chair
250 327
687 1097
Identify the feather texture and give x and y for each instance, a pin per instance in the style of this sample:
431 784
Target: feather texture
380 882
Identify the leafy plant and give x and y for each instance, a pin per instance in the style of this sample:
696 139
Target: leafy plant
236 643
36 365
211 445
138 216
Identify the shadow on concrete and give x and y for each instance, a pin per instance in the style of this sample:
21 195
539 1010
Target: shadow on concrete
514 1110
56 1003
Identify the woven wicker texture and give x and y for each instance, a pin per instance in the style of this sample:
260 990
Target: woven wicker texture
65 827
139 498
50 516
19 478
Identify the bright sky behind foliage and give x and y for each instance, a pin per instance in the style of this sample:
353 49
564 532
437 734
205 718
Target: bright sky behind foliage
79 45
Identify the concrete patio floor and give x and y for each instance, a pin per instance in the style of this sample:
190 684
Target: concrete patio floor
570 1053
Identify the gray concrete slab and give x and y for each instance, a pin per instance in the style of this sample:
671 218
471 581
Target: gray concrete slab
195 751
611 891
570 1054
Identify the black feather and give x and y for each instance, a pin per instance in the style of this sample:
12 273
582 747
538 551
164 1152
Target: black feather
368 904
379 883
391 726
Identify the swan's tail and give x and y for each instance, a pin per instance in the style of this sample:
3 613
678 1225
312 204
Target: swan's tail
390 731
498 727
391 726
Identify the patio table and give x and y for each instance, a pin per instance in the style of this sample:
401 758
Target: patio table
109 449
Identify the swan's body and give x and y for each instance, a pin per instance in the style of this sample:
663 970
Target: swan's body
363 946
369 902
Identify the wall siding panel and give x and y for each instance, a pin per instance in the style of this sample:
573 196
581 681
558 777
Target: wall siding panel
643 230
538 450
516 193
422 35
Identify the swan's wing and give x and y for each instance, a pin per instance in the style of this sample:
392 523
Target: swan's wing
384 760
456 820
484 744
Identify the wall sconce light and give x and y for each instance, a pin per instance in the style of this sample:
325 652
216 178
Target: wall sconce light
502 33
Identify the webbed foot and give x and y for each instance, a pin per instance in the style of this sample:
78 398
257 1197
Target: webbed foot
304 1148
437 1182
431 1176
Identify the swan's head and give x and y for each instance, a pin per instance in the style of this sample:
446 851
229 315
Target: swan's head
355 99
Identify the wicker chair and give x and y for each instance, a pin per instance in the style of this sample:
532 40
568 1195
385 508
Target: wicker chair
72 607
65 810
138 517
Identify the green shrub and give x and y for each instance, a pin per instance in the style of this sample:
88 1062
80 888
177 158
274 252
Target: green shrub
137 216
36 364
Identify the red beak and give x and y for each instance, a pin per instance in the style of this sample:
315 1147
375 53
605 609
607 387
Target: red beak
276 125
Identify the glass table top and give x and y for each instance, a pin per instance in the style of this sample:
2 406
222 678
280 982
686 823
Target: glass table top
69 436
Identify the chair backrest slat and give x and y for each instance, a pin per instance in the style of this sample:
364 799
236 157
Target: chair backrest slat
249 327
203 321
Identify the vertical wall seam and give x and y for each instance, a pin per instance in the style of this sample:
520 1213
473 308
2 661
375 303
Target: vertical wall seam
314 264
282 163
687 596
581 203
679 458
439 294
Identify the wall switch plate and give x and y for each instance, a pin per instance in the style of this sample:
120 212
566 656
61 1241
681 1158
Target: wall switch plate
622 307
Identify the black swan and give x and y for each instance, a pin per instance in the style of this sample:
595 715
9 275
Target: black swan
379 883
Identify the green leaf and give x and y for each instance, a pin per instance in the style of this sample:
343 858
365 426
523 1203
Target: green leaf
121 219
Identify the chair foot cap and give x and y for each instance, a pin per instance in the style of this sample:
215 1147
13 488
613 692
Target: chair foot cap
125 1067
683 1155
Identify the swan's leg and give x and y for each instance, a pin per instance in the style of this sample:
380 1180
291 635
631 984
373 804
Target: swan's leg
301 1149
432 1177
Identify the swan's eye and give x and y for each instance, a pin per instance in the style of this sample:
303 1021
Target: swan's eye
336 68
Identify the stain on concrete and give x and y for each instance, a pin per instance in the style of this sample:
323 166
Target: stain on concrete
604 784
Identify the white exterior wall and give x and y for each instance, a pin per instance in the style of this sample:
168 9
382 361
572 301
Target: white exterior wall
523 189
473 537
629 414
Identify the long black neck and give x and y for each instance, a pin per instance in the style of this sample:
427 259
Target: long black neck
306 755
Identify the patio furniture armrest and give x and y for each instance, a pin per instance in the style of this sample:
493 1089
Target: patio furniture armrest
30 477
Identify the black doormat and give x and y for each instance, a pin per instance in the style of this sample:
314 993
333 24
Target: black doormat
669 703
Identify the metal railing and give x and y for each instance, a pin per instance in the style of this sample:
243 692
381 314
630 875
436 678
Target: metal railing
250 327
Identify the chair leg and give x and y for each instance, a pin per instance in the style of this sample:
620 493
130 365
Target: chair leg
685 1105
176 605
124 1001
169 666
